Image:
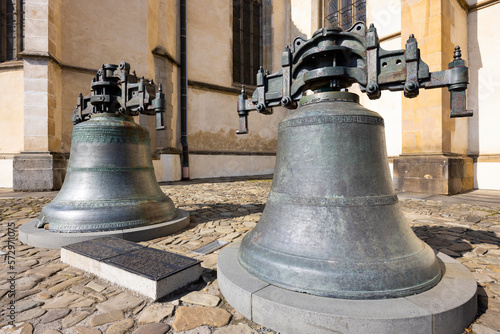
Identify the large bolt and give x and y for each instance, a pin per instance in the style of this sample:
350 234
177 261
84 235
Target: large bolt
286 101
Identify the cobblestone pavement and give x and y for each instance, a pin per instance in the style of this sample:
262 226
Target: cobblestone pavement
52 297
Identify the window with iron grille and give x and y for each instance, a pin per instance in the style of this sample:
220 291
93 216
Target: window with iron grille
247 47
11 29
344 13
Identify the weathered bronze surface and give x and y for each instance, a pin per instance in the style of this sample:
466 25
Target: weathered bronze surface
110 182
332 225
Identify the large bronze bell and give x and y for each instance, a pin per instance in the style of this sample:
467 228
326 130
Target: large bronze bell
332 225
110 182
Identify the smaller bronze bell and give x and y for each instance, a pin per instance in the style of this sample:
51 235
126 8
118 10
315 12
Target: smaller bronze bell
110 182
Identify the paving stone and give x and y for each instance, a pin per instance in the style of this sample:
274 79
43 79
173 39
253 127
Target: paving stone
449 252
23 283
98 296
73 271
24 294
198 330
231 236
482 278
120 327
191 317
139 308
86 330
224 229
24 328
74 318
480 329
106 318
154 328
45 271
53 315
236 329
200 298
62 301
490 319
155 313
494 288
44 295
490 273
51 331
122 302
82 302
209 261
53 280
27 263
481 250
494 267
438 243
96 287
461 246
81 290
447 237
431 220
63 285
27 305
494 252
30 314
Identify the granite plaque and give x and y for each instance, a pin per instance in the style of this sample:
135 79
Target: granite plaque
103 248
151 272
151 263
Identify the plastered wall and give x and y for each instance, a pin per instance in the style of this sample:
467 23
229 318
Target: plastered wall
89 40
212 117
386 16
11 111
483 93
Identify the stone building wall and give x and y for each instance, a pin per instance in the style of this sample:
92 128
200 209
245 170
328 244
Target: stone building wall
66 42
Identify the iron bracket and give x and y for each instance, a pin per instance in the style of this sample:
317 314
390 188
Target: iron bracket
334 59
115 90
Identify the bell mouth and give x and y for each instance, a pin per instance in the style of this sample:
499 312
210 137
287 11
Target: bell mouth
383 279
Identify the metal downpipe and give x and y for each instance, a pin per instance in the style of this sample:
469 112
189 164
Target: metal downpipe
184 84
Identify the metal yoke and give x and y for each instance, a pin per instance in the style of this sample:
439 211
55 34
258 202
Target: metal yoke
115 90
334 59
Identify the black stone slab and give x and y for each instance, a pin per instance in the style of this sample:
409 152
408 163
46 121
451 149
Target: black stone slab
103 248
151 263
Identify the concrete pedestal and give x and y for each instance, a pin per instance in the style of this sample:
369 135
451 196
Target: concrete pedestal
39 237
449 307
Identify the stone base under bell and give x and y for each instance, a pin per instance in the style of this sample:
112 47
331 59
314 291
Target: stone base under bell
39 171
433 174
449 307
39 237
